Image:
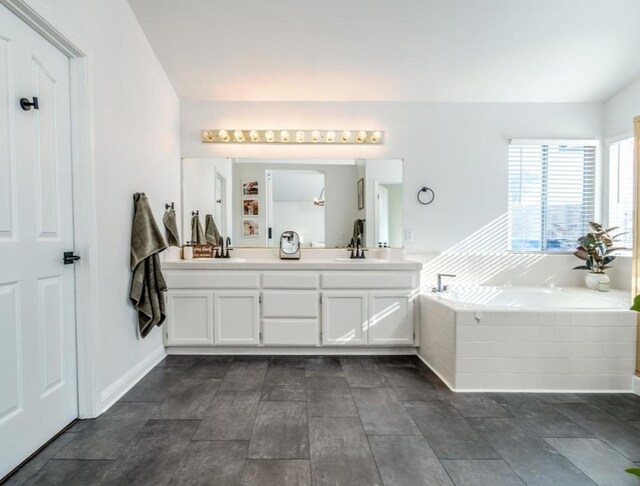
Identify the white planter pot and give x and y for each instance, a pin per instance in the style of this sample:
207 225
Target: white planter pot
594 279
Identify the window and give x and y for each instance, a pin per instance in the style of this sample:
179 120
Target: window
621 190
551 193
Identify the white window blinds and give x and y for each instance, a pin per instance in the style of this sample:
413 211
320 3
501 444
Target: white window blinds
551 193
621 190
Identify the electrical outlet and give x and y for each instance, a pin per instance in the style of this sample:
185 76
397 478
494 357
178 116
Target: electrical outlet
408 234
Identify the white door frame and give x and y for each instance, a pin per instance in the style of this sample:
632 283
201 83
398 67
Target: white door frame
84 207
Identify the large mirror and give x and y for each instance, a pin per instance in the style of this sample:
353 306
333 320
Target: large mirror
328 202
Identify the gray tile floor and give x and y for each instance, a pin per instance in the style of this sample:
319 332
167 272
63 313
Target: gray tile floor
203 420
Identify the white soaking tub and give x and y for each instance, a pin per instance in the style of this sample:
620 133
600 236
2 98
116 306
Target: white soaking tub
482 338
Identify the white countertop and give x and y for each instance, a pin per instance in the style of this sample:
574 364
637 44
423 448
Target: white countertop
302 264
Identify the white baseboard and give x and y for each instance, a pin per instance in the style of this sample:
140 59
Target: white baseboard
635 385
292 351
122 385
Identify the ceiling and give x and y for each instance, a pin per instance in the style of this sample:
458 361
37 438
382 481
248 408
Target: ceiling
395 50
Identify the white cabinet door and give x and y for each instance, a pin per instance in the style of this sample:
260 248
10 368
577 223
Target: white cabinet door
189 317
344 318
391 318
236 317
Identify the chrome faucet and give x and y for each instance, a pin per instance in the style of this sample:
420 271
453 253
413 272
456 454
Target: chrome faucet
440 287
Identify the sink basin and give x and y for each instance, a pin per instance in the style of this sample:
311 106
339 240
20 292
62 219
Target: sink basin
228 260
360 260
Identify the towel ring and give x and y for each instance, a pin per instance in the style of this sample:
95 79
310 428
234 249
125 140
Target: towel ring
427 190
195 213
168 206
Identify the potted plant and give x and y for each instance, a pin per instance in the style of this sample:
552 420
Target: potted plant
596 248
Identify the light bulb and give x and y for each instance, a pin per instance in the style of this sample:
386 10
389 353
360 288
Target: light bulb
331 136
376 136
299 136
223 135
361 137
207 135
268 135
239 135
346 136
315 136
284 135
255 136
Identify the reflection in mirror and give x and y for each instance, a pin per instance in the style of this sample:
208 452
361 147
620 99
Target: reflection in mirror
327 202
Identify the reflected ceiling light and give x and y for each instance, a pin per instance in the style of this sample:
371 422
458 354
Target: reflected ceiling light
268 135
286 136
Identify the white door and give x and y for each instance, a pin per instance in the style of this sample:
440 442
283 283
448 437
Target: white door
391 318
344 318
382 215
38 389
236 317
220 215
189 318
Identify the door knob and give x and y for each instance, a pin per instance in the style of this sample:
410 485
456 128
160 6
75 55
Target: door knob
69 258
26 105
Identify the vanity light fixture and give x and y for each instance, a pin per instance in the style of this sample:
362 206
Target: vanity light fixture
281 136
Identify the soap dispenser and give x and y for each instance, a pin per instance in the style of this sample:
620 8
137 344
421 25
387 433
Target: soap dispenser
289 246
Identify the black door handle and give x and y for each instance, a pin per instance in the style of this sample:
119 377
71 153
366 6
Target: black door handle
69 258
26 105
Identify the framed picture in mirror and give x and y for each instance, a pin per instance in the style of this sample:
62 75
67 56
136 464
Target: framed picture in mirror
250 207
250 228
250 187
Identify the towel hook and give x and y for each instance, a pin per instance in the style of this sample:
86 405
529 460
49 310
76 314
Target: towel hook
427 190
195 213
168 206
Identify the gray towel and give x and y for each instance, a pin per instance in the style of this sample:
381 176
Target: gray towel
171 227
211 233
147 283
358 229
197 235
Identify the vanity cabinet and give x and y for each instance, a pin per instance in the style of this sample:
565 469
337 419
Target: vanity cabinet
291 308
236 317
344 318
189 317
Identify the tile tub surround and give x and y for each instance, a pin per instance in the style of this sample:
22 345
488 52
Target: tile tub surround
339 420
512 349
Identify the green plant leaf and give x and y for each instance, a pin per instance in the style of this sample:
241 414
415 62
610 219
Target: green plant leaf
608 259
595 226
581 254
633 470
636 304
581 267
609 230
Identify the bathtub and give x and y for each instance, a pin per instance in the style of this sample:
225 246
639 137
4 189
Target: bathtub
538 339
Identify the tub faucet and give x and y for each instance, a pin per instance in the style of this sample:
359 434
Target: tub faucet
440 287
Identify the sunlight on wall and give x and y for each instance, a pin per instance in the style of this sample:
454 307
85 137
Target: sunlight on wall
480 258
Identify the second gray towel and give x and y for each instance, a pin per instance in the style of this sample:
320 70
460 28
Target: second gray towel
171 227
197 235
211 233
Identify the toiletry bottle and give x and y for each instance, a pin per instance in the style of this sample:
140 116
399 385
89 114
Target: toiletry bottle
187 251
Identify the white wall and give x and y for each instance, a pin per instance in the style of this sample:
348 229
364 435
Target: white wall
136 149
620 110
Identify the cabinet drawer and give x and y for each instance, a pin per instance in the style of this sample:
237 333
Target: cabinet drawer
290 332
211 279
290 303
290 280
369 280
